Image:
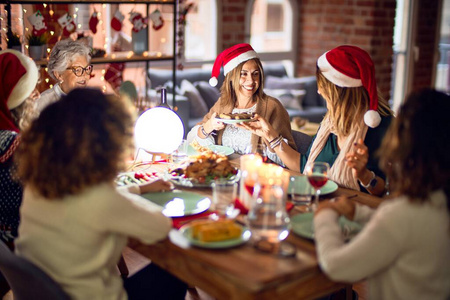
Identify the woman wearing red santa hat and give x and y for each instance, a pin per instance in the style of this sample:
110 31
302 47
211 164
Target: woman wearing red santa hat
353 127
242 92
17 94
69 64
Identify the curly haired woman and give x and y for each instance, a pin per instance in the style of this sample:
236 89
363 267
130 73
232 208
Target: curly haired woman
74 222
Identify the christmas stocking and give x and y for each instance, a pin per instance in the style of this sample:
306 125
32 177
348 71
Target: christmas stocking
93 21
68 25
114 75
157 19
116 21
38 22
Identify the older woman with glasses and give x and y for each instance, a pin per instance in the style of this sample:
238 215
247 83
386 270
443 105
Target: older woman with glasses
69 64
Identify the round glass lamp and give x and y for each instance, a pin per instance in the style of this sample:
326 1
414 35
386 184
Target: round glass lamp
159 130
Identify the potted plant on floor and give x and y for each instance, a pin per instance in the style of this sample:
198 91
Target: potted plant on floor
13 41
37 45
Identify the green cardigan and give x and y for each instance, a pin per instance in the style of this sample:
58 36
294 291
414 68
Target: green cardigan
373 140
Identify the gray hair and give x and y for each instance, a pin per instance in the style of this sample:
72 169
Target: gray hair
64 53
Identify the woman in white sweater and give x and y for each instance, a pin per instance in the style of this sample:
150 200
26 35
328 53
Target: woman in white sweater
74 222
404 248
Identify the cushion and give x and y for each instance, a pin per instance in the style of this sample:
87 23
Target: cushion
198 106
285 83
289 98
209 93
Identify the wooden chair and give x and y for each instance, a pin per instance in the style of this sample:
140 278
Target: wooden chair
27 281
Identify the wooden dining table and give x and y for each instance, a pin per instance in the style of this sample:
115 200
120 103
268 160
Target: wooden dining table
244 272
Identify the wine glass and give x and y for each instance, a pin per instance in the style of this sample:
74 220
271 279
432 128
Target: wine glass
317 173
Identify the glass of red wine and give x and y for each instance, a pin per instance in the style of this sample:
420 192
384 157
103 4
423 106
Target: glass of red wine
317 173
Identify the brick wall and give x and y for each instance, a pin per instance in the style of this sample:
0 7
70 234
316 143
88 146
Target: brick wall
426 41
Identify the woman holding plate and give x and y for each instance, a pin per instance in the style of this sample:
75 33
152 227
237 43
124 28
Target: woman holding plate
352 129
241 92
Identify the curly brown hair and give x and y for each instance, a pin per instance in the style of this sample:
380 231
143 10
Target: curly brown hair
414 152
347 104
77 142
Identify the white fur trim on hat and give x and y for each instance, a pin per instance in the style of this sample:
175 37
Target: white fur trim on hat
26 84
213 81
334 75
372 118
233 63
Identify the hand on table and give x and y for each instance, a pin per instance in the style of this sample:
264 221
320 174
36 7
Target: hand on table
156 186
342 205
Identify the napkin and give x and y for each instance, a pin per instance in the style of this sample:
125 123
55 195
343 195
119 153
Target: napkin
244 210
178 222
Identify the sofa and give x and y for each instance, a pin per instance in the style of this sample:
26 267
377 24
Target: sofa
194 96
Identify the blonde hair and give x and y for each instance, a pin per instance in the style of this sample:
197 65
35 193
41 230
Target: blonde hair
230 86
347 105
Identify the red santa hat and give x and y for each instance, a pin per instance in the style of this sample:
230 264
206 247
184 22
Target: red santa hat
230 59
350 66
19 77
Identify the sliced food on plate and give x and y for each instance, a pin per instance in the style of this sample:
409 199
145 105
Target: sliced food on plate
236 116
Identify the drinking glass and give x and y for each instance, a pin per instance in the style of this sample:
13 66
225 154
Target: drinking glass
250 164
268 219
317 173
301 191
224 195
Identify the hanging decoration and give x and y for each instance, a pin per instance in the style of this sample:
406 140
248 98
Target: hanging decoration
38 22
138 21
68 24
93 21
157 19
116 21
184 9
114 75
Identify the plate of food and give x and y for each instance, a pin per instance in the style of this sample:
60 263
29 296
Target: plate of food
215 234
195 149
179 203
201 171
235 118
302 180
302 224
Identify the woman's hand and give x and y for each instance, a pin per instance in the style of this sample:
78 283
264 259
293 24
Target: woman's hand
156 186
260 127
342 205
213 124
357 160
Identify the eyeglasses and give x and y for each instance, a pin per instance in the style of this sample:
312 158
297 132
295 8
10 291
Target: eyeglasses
79 71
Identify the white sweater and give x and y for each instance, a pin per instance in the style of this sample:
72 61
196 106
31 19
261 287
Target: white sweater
78 240
403 250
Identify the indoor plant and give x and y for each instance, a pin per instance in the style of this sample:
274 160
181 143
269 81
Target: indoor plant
37 45
13 41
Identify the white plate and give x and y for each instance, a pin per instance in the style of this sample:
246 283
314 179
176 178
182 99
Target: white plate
302 224
234 121
219 149
328 188
186 182
245 236
179 203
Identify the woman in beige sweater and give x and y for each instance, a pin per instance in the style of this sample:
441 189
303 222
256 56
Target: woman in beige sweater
242 92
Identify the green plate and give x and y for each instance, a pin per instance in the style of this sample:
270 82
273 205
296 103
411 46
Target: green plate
329 187
224 150
179 203
245 236
302 224
233 121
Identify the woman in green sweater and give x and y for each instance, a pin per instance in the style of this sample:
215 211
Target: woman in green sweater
353 127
